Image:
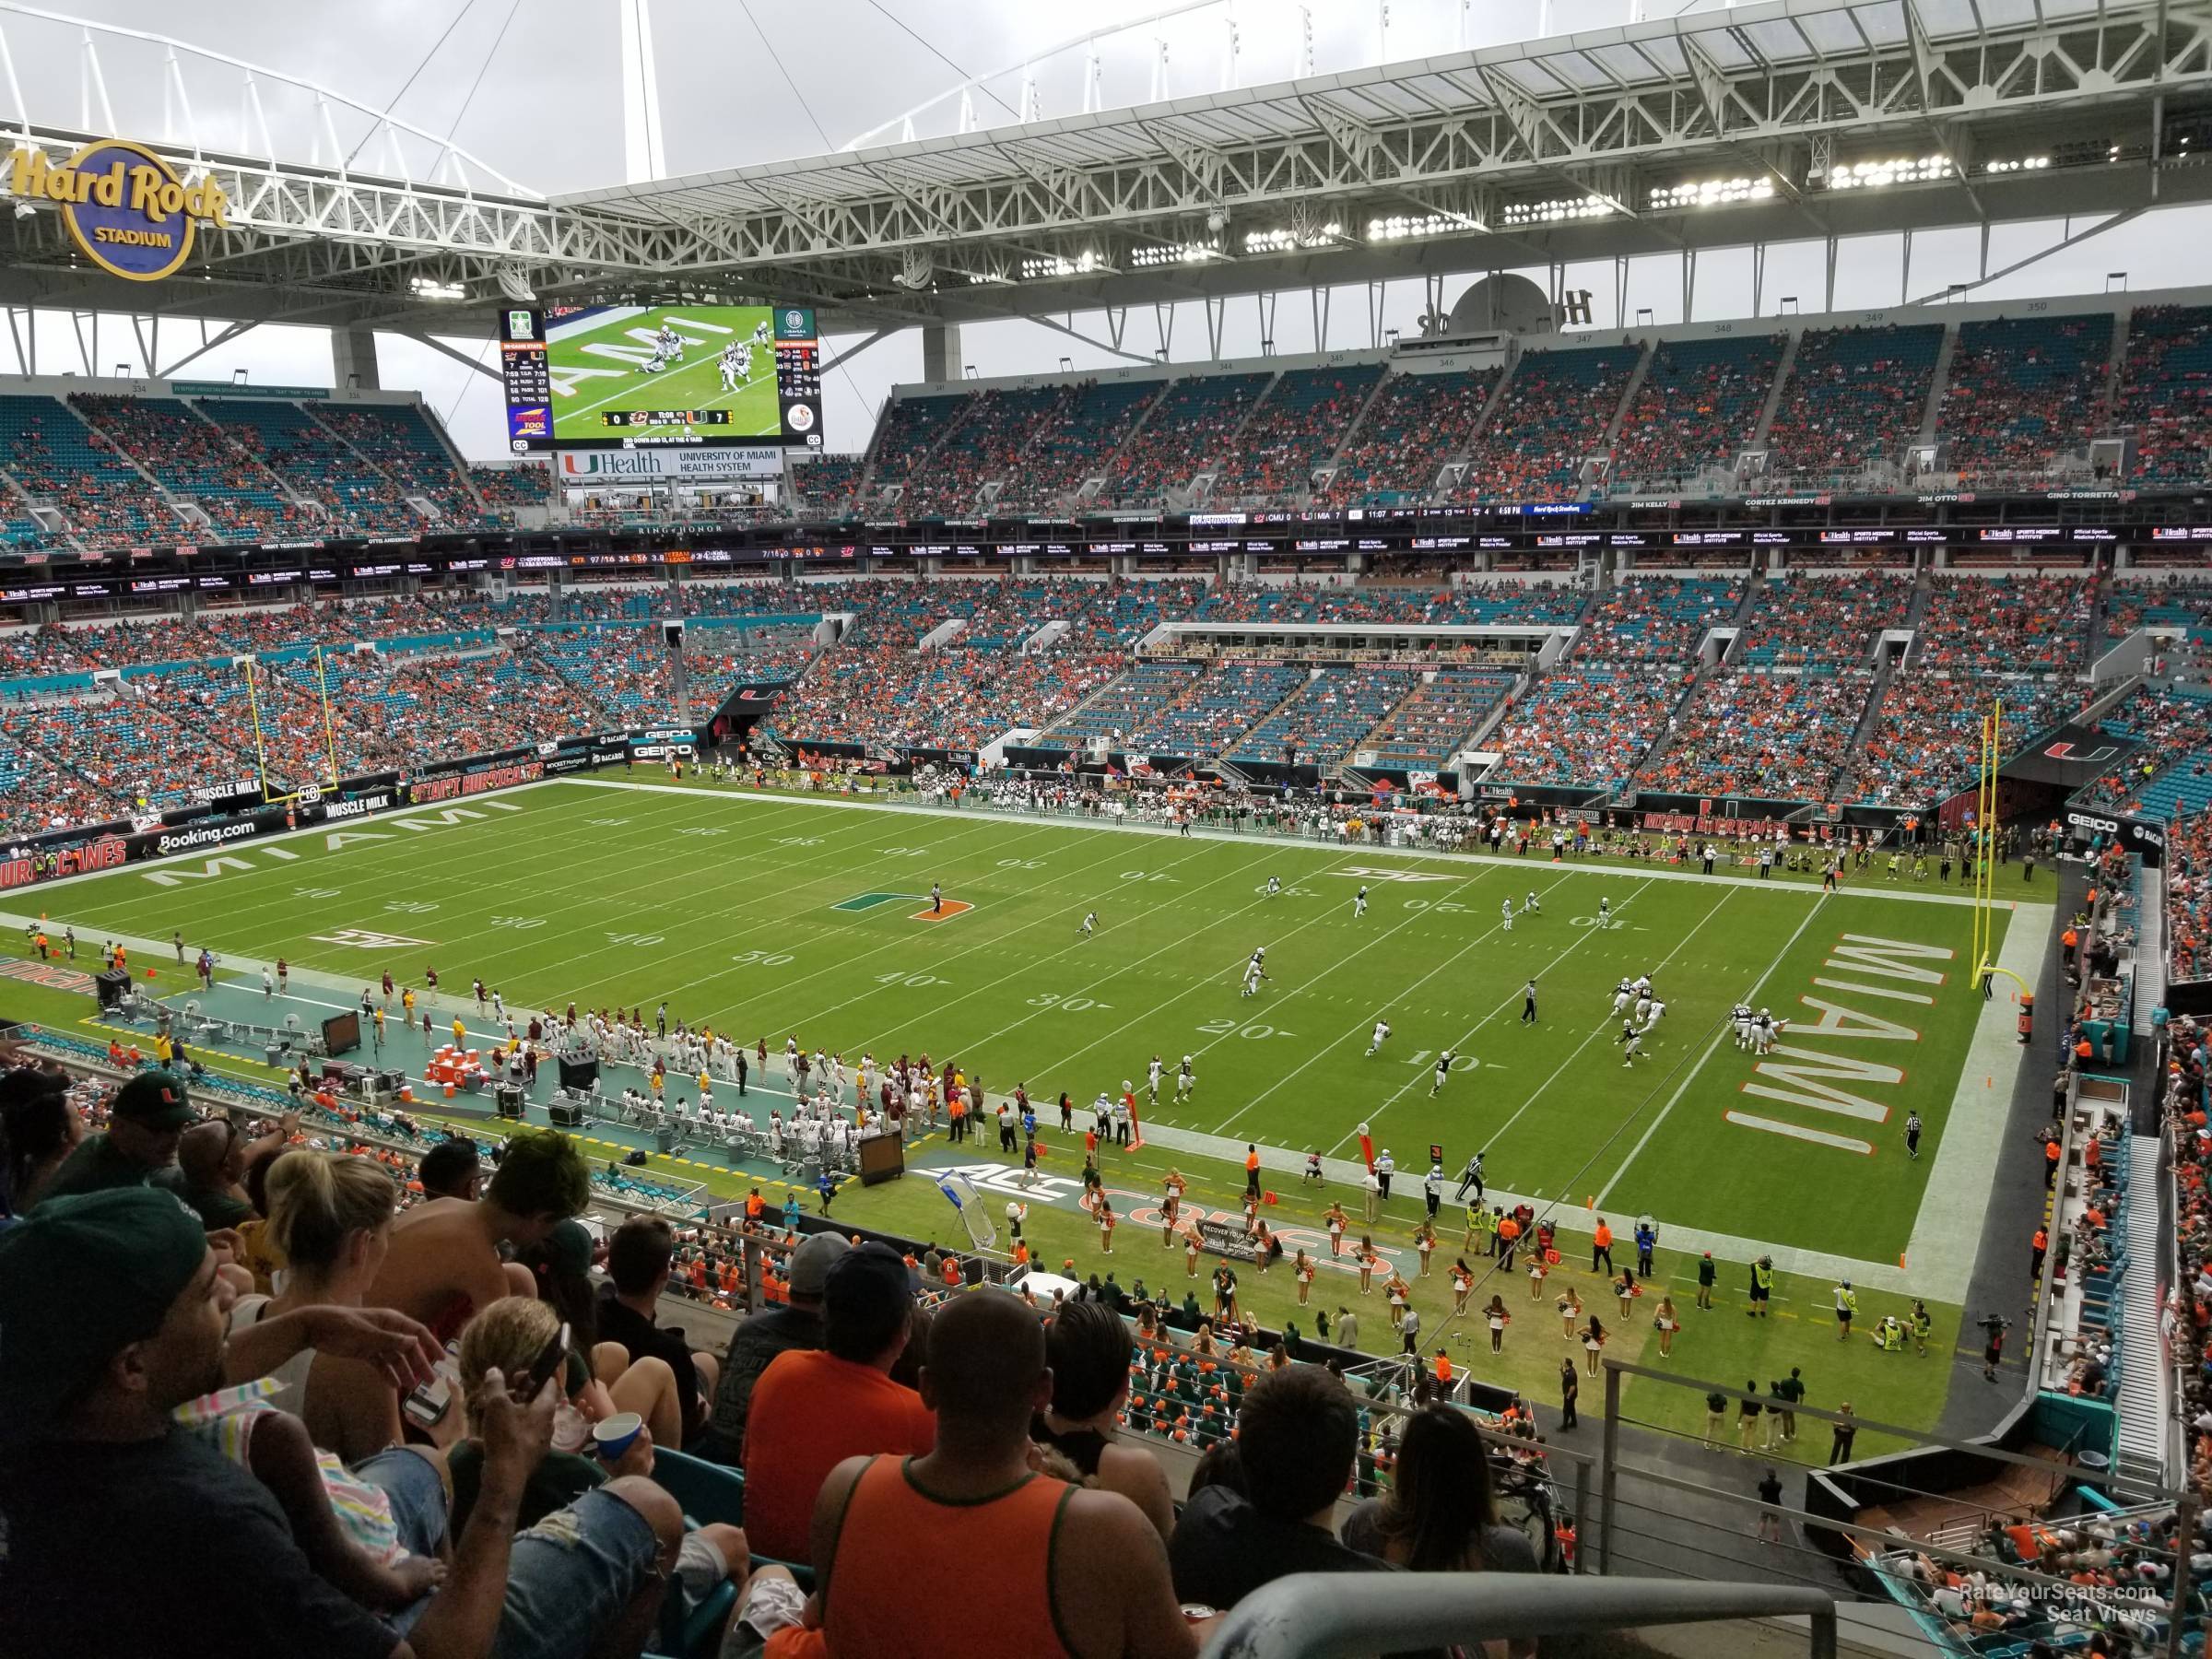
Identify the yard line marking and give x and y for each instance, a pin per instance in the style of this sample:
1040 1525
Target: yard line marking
1469 1035
1720 1030
1604 1026
1059 915
1240 871
1353 1034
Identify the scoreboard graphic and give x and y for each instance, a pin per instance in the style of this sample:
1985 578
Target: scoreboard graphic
646 376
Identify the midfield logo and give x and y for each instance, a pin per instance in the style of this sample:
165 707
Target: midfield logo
364 938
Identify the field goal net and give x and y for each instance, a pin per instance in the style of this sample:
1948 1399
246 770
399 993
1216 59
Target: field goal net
976 1215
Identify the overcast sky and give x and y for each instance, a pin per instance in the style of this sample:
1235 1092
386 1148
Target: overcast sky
531 89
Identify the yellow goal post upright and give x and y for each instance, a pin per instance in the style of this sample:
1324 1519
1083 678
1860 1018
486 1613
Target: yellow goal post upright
1982 842
261 754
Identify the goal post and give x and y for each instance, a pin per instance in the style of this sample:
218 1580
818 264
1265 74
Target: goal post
1983 841
261 751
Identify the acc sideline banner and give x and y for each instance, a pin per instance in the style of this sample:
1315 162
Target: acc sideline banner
208 828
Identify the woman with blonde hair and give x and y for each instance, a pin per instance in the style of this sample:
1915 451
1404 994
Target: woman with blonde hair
330 1222
509 1337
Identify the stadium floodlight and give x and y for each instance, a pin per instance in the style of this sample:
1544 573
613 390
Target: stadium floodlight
1560 208
1053 264
1709 192
1172 254
1285 238
429 287
2016 164
1894 169
1400 227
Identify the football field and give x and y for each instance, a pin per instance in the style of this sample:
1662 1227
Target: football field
599 367
770 916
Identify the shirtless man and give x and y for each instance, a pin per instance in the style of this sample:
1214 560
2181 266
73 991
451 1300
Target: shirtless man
444 1260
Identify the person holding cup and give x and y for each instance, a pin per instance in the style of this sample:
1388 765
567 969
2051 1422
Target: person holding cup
508 1336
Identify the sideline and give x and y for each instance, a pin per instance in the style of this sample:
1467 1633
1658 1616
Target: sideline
1348 848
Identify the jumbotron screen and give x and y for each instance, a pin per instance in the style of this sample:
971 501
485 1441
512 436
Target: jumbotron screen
643 376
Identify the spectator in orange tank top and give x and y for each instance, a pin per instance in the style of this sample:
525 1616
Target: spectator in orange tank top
1062 1558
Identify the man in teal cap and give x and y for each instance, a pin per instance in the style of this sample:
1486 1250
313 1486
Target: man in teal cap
112 1314
147 1117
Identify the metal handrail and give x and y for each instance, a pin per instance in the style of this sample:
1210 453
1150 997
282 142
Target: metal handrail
1348 1616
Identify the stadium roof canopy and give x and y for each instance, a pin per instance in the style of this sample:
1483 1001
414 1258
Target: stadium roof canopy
1777 122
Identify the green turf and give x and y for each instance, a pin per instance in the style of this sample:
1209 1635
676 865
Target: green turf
602 363
729 909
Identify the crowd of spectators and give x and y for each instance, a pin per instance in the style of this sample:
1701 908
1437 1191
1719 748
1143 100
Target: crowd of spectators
1186 432
1337 708
57 458
910 430
1220 705
2003 624
2173 729
1854 396
986 445
1136 698
1823 621
1073 444
1298 425
2148 602
275 1288
2165 396
1588 726
2021 391
505 491
1416 424
314 464
1445 709
1551 417
1698 404
1926 744
195 462
2189 897
826 486
1657 619
399 440
1765 736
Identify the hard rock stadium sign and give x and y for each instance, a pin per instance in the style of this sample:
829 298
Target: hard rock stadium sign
125 207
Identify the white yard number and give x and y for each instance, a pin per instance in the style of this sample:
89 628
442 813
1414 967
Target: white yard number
1605 921
1069 1005
762 959
798 841
314 892
517 921
1460 1062
1286 892
1443 906
1147 875
704 829
635 938
901 851
916 981
607 823
1230 1027
411 907
1021 863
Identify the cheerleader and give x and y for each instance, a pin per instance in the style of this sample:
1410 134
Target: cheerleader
1664 1321
1463 1282
1497 1318
1301 1267
1368 1258
1593 1342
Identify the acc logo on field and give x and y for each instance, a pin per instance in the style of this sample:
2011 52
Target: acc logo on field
125 207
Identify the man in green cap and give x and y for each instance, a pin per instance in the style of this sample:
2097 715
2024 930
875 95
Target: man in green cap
113 1315
147 1117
